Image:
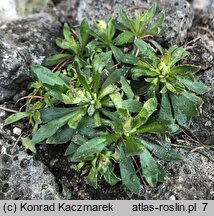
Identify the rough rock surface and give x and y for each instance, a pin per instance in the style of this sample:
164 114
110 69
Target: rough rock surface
203 53
21 177
24 42
179 14
193 179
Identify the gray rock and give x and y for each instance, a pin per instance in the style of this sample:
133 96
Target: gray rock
21 177
179 14
193 179
24 42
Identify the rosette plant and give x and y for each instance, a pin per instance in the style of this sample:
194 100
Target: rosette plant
163 78
87 98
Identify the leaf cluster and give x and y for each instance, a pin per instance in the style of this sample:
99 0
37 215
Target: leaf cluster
107 92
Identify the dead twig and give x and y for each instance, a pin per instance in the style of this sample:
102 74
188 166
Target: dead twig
16 143
8 110
29 97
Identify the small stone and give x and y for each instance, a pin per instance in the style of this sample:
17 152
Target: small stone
172 197
208 123
17 131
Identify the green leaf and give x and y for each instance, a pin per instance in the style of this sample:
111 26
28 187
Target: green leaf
100 61
74 121
51 113
63 135
122 57
116 99
133 106
110 176
106 91
133 146
86 127
158 46
79 139
126 88
155 27
147 16
165 108
145 49
92 177
195 86
97 119
148 108
159 126
82 79
184 108
46 76
185 69
67 32
123 38
27 143
114 77
176 54
56 59
71 149
93 146
84 33
52 127
149 168
128 174
15 117
163 152
125 19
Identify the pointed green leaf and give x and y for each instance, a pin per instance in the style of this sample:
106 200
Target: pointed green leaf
195 86
133 146
165 108
27 143
56 59
128 174
74 121
156 25
92 177
100 61
123 38
71 149
93 146
51 113
15 117
145 49
106 91
177 54
133 106
116 99
122 57
110 176
165 153
115 76
82 79
185 69
63 135
84 33
46 76
125 19
147 16
148 108
51 127
149 168
126 88
184 108
159 126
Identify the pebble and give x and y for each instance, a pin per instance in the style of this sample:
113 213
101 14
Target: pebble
17 131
